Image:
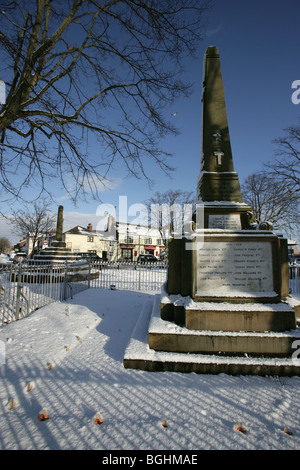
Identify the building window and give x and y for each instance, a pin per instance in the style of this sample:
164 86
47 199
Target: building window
90 239
159 241
148 241
128 240
127 254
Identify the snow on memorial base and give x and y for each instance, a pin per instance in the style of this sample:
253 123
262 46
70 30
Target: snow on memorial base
225 305
209 354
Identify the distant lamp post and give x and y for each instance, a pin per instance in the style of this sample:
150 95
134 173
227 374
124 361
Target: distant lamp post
2 92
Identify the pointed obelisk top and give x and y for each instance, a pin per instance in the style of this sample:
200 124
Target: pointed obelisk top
218 182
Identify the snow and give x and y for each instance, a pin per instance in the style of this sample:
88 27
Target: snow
84 340
4 259
190 304
157 325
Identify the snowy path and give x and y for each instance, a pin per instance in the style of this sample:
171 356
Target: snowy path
84 339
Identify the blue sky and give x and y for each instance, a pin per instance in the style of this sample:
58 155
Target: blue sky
259 45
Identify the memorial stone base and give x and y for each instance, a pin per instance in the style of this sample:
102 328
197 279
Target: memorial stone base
224 309
57 254
254 329
155 347
238 287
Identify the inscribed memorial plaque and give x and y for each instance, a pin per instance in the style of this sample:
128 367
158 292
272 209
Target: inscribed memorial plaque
225 221
234 267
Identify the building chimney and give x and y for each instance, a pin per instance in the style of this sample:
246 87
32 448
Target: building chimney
90 227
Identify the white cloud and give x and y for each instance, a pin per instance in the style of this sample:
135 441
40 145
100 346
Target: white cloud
212 31
90 185
7 231
72 219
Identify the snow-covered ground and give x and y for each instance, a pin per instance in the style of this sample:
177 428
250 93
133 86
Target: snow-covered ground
67 359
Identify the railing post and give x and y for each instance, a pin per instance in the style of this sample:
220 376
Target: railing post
65 282
89 277
139 275
18 296
50 284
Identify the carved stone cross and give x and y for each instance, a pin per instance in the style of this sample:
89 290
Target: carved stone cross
219 154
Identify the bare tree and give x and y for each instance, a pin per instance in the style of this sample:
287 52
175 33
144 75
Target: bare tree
90 72
285 168
35 222
5 244
274 203
167 210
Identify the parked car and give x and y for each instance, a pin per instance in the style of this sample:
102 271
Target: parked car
19 257
147 259
90 256
295 261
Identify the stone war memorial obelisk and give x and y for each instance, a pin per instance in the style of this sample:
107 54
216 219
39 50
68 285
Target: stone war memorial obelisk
224 307
57 252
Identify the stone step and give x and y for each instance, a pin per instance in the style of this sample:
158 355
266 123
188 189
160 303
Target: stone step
250 317
140 355
230 343
212 365
50 258
171 337
228 316
57 252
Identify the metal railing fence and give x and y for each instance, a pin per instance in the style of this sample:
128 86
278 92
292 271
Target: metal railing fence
294 279
148 276
128 275
27 287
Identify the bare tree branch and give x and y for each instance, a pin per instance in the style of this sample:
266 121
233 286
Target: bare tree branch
36 221
90 70
166 211
270 202
285 168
